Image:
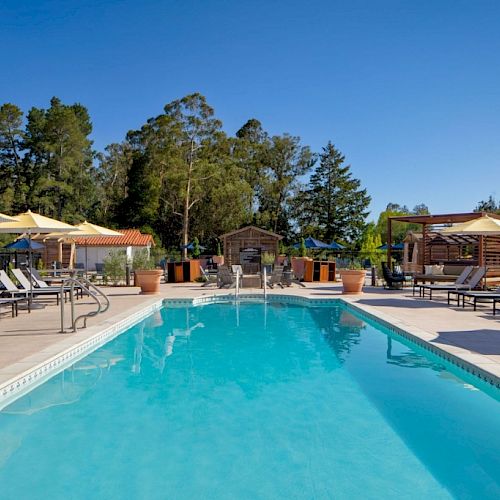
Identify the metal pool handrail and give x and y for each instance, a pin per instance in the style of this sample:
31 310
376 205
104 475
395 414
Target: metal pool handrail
92 291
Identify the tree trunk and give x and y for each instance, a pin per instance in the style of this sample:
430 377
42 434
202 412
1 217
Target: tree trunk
185 215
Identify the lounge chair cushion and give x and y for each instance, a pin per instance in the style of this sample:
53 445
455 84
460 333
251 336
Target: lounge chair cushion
437 270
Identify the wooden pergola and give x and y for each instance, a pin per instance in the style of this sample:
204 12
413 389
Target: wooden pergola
488 247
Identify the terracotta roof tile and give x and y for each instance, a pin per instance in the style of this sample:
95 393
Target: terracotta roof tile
131 237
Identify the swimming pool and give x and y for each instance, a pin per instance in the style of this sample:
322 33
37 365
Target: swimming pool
254 401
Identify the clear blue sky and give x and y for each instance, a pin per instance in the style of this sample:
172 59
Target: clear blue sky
408 90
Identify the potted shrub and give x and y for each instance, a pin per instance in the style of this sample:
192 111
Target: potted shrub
281 257
196 249
353 279
219 258
146 275
267 260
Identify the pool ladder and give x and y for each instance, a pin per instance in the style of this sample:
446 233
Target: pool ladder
237 285
88 288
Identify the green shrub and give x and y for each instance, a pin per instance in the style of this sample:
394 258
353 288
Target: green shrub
114 266
142 261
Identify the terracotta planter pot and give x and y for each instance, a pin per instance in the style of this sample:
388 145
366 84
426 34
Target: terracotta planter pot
218 259
298 266
280 259
353 281
148 280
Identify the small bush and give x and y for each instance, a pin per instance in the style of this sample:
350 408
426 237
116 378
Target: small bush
114 266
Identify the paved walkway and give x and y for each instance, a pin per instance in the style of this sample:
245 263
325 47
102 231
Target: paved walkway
475 336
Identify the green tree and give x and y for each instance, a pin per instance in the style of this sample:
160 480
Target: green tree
11 145
58 173
285 160
334 206
112 181
489 205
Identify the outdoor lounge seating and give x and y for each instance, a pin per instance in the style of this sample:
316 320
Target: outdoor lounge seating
225 278
40 283
392 281
209 277
469 284
12 302
460 280
444 273
276 277
24 282
473 297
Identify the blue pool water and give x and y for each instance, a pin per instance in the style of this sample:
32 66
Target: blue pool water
254 401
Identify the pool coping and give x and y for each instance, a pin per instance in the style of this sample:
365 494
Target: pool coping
98 335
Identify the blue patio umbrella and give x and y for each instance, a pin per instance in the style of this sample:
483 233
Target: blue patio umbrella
313 243
190 246
24 244
397 246
336 246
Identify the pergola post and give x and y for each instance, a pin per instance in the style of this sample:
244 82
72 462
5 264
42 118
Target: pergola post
424 244
389 242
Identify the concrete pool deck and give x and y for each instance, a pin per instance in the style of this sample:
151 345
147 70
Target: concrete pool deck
474 337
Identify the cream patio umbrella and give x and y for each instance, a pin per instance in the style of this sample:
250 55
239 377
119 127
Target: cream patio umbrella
86 230
6 218
30 222
482 226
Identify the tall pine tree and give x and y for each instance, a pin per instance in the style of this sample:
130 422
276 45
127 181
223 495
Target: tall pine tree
334 207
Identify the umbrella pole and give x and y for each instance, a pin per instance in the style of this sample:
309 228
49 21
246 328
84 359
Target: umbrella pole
86 258
30 263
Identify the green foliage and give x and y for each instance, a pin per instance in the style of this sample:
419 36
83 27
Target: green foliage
369 247
281 248
302 248
399 229
490 205
141 260
333 207
114 266
267 258
219 250
196 248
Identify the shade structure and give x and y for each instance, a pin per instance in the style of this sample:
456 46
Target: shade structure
190 246
6 218
30 222
482 226
313 243
24 244
397 247
86 230
336 246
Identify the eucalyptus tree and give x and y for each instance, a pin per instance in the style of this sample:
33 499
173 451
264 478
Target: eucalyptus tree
334 202
249 153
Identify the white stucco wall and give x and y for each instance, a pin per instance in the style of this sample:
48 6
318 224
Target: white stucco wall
98 254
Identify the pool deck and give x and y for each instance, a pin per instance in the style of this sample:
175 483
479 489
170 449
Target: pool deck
474 337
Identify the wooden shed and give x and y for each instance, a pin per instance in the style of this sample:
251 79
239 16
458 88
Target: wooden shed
246 245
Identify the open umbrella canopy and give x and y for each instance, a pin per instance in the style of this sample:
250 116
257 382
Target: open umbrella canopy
6 218
24 244
396 247
484 225
336 246
88 229
313 243
31 222
190 246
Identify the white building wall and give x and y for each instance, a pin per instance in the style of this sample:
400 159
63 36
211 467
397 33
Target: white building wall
98 254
